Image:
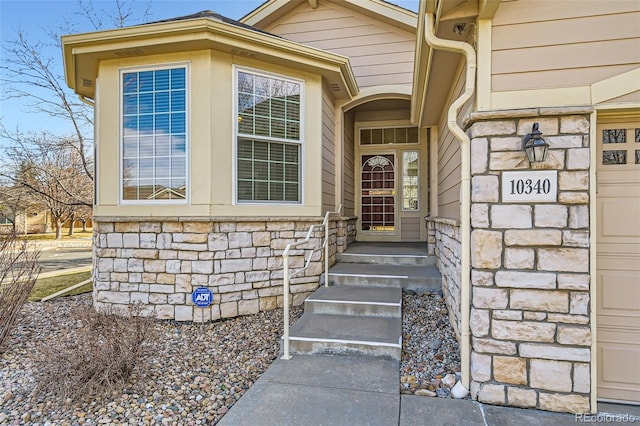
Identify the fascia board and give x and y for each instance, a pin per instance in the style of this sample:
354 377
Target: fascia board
386 10
272 10
266 12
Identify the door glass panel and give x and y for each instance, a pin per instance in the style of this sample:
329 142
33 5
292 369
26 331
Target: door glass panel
410 180
378 193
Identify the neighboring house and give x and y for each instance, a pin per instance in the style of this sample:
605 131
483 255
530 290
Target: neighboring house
23 221
219 142
8 222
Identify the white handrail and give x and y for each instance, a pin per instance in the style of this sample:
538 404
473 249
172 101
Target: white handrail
287 275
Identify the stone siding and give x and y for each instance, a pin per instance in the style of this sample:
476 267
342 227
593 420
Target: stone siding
530 312
158 263
447 250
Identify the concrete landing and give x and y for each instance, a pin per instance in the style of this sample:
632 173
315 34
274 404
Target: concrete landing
342 390
410 254
321 390
381 249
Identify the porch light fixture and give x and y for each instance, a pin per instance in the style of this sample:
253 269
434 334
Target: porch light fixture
535 147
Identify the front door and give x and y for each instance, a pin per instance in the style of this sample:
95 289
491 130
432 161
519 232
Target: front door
618 260
390 192
378 194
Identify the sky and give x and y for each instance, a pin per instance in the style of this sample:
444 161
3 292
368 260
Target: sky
34 17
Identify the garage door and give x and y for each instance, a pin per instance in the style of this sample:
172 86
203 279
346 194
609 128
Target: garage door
618 260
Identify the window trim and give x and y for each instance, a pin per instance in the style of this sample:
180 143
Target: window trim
155 67
236 69
4 218
371 126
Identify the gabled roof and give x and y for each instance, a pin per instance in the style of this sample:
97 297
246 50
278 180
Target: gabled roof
271 10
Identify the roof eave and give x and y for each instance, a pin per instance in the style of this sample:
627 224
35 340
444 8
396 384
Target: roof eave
198 32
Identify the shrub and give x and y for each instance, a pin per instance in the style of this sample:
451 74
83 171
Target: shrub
98 356
18 273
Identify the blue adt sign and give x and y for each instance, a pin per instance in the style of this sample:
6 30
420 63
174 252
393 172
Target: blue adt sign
202 297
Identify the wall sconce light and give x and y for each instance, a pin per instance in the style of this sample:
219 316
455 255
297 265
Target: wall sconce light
535 147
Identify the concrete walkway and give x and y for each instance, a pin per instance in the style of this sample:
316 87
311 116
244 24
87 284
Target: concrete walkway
343 390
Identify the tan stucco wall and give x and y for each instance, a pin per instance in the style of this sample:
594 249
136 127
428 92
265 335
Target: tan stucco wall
211 141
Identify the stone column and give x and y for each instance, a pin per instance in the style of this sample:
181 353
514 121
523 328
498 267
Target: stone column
530 319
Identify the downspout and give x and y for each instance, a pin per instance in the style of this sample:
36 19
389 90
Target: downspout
465 185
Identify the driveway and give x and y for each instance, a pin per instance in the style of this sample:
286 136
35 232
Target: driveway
56 259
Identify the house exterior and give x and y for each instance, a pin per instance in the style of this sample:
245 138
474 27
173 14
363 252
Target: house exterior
219 142
23 222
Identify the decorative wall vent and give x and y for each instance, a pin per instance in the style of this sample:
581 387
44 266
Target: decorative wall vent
129 52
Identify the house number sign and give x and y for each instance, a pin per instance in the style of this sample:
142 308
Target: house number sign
530 186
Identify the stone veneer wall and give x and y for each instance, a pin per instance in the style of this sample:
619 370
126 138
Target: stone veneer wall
159 261
530 315
447 250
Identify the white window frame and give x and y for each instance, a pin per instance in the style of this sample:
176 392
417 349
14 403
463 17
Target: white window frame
155 67
237 69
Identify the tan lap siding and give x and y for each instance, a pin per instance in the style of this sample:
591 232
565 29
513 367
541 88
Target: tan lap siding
379 53
328 153
449 156
597 42
348 171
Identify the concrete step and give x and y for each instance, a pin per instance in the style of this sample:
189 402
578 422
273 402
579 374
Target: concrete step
410 254
354 300
347 335
387 259
416 278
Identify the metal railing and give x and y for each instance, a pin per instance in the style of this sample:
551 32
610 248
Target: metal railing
287 275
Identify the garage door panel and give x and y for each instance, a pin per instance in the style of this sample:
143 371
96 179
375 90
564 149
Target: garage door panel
617 359
618 293
619 218
611 248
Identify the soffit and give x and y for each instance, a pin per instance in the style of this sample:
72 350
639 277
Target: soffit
83 52
435 70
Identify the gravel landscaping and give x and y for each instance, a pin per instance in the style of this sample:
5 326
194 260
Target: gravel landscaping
430 354
197 372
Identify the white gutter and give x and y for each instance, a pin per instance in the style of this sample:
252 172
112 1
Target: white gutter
86 101
465 184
